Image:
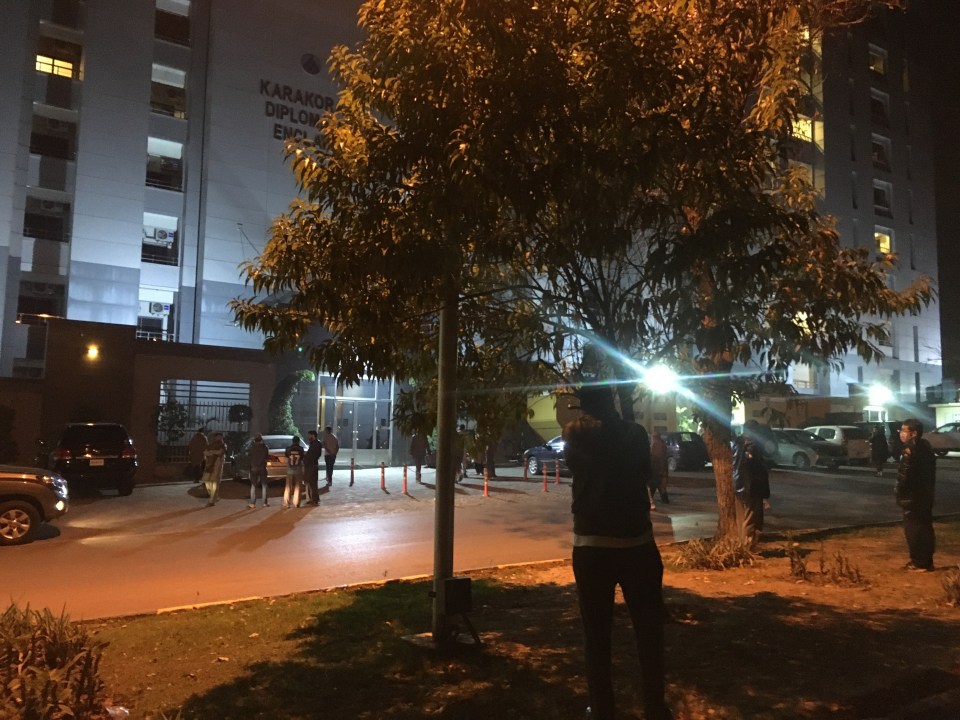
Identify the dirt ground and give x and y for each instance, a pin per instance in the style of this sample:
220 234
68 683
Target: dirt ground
757 642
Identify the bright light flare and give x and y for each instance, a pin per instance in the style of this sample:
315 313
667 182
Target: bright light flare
661 379
879 395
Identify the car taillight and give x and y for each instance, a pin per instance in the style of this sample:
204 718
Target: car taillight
62 454
129 453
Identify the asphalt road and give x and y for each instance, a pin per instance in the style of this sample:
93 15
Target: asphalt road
163 548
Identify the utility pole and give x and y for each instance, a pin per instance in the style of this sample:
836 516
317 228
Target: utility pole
446 429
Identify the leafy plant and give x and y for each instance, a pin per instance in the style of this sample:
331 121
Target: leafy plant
49 667
836 568
170 420
280 418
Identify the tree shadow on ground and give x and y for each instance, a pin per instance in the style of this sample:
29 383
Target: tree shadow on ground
756 657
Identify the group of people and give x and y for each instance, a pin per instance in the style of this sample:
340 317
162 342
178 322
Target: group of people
303 466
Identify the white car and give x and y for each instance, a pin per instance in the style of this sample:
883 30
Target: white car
945 438
803 449
855 440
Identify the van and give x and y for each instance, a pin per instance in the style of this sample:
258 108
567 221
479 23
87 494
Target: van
855 440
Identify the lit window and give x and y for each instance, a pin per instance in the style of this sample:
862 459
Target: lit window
877 61
883 240
167 93
52 66
808 130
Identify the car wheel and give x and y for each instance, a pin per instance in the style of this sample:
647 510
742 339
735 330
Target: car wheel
19 522
941 453
533 465
801 461
125 487
672 464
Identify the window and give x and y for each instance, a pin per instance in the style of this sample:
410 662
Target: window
853 142
883 240
164 164
39 300
882 198
879 108
167 91
52 66
51 137
172 21
46 220
160 239
808 130
880 150
877 60
853 190
912 252
916 344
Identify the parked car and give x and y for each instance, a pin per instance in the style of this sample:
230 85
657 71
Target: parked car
96 455
945 438
548 456
28 497
854 440
685 451
764 437
891 429
803 449
239 467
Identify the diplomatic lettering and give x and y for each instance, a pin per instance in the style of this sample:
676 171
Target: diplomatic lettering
293 109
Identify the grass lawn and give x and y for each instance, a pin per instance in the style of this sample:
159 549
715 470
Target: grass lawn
752 643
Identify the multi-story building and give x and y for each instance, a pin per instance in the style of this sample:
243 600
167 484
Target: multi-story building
141 163
867 144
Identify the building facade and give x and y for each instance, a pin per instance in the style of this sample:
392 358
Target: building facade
141 164
867 144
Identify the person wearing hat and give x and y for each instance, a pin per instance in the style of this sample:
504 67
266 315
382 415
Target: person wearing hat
259 452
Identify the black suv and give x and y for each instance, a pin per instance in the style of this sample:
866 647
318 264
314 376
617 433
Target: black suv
96 455
28 496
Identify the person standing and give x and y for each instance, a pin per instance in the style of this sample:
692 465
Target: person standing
914 492
751 482
198 444
259 454
291 491
331 446
213 458
879 450
418 451
660 468
613 545
311 464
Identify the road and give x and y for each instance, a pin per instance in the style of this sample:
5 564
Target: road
163 548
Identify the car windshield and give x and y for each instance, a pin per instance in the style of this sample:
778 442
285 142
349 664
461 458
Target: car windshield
97 435
949 427
802 436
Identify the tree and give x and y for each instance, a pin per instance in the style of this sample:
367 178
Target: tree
572 171
280 411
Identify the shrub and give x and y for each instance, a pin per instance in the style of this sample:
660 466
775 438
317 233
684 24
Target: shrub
951 586
715 554
49 667
837 569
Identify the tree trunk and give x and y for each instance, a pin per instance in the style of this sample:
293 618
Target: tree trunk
716 435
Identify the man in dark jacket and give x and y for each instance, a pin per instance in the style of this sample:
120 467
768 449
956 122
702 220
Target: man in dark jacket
311 466
914 493
613 545
751 482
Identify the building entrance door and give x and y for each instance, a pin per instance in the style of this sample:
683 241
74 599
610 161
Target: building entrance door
355 428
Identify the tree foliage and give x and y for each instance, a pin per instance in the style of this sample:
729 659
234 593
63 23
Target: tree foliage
603 172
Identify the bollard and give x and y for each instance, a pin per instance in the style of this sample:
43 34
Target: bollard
405 479
524 469
486 482
545 478
351 471
556 466
383 476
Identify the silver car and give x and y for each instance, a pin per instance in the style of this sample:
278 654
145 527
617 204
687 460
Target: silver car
276 460
803 449
28 497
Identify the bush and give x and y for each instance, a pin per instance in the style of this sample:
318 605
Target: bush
951 586
838 569
715 554
49 667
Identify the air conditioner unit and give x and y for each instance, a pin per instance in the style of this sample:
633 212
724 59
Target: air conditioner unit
50 205
161 235
56 125
157 308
